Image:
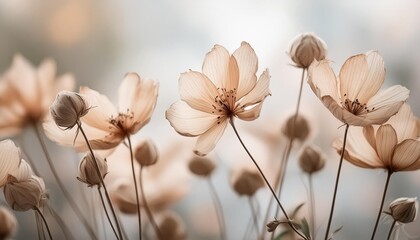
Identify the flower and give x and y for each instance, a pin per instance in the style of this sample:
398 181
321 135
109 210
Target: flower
9 159
87 170
146 153
353 96
68 108
246 182
201 166
305 48
105 125
27 92
8 224
311 159
404 210
296 129
394 146
227 88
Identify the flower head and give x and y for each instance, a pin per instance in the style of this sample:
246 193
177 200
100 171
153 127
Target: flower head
306 48
246 181
226 88
87 170
201 166
353 96
311 159
146 153
68 108
404 210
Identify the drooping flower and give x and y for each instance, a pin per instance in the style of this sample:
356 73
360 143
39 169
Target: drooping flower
305 48
27 92
226 88
353 96
394 146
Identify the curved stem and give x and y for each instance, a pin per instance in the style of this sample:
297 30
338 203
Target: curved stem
312 205
45 222
382 204
336 181
266 181
106 212
390 230
67 195
146 206
79 124
219 209
254 215
135 185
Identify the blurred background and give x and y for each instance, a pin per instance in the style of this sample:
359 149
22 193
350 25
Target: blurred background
100 41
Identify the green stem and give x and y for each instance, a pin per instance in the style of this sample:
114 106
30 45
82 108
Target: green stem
135 185
45 222
382 204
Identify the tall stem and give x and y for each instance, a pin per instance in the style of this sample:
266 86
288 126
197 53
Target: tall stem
219 209
266 181
382 204
67 195
79 124
336 182
106 212
390 230
312 205
45 222
135 185
254 215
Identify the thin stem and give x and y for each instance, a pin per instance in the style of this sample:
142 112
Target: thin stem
106 212
45 222
60 222
135 185
219 209
146 206
266 181
67 195
39 226
79 124
390 230
312 204
254 215
336 182
382 204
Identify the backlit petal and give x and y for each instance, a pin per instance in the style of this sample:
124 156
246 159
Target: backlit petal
369 134
342 114
406 156
404 123
216 65
248 64
9 159
208 140
250 114
322 79
259 92
386 140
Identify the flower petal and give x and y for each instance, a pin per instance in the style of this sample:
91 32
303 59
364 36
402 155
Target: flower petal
250 114
259 92
342 114
322 79
9 159
406 156
248 64
207 141
369 134
404 123
46 76
386 140
188 121
216 65
232 79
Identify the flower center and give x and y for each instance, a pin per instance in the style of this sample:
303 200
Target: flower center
121 119
224 103
355 107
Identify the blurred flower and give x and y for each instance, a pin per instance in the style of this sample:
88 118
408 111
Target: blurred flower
296 129
201 166
404 210
27 92
23 190
146 153
171 226
311 159
8 223
10 157
393 146
305 48
353 96
87 170
105 125
246 182
68 108
227 88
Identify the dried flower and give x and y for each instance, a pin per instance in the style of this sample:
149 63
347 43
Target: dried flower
9 159
227 88
353 96
87 170
246 182
8 223
23 190
201 166
296 129
271 226
171 226
146 153
305 48
311 159
68 108
27 92
404 210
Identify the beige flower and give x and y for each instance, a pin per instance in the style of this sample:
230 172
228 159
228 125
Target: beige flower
353 96
227 88
394 146
305 48
10 157
105 125
404 210
27 92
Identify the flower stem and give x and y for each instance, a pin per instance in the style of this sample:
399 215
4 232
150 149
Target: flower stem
135 185
146 206
312 204
336 181
79 124
67 195
266 181
45 222
219 209
106 212
254 215
390 230
382 204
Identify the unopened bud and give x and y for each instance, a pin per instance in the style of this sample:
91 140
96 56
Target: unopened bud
296 128
247 182
311 159
201 166
23 190
8 223
88 171
305 48
171 227
146 153
404 210
68 108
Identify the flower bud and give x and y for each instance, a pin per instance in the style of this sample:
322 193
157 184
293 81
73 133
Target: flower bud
296 129
272 226
146 153
247 182
171 227
305 48
8 223
311 159
201 166
87 170
68 108
404 210
23 190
